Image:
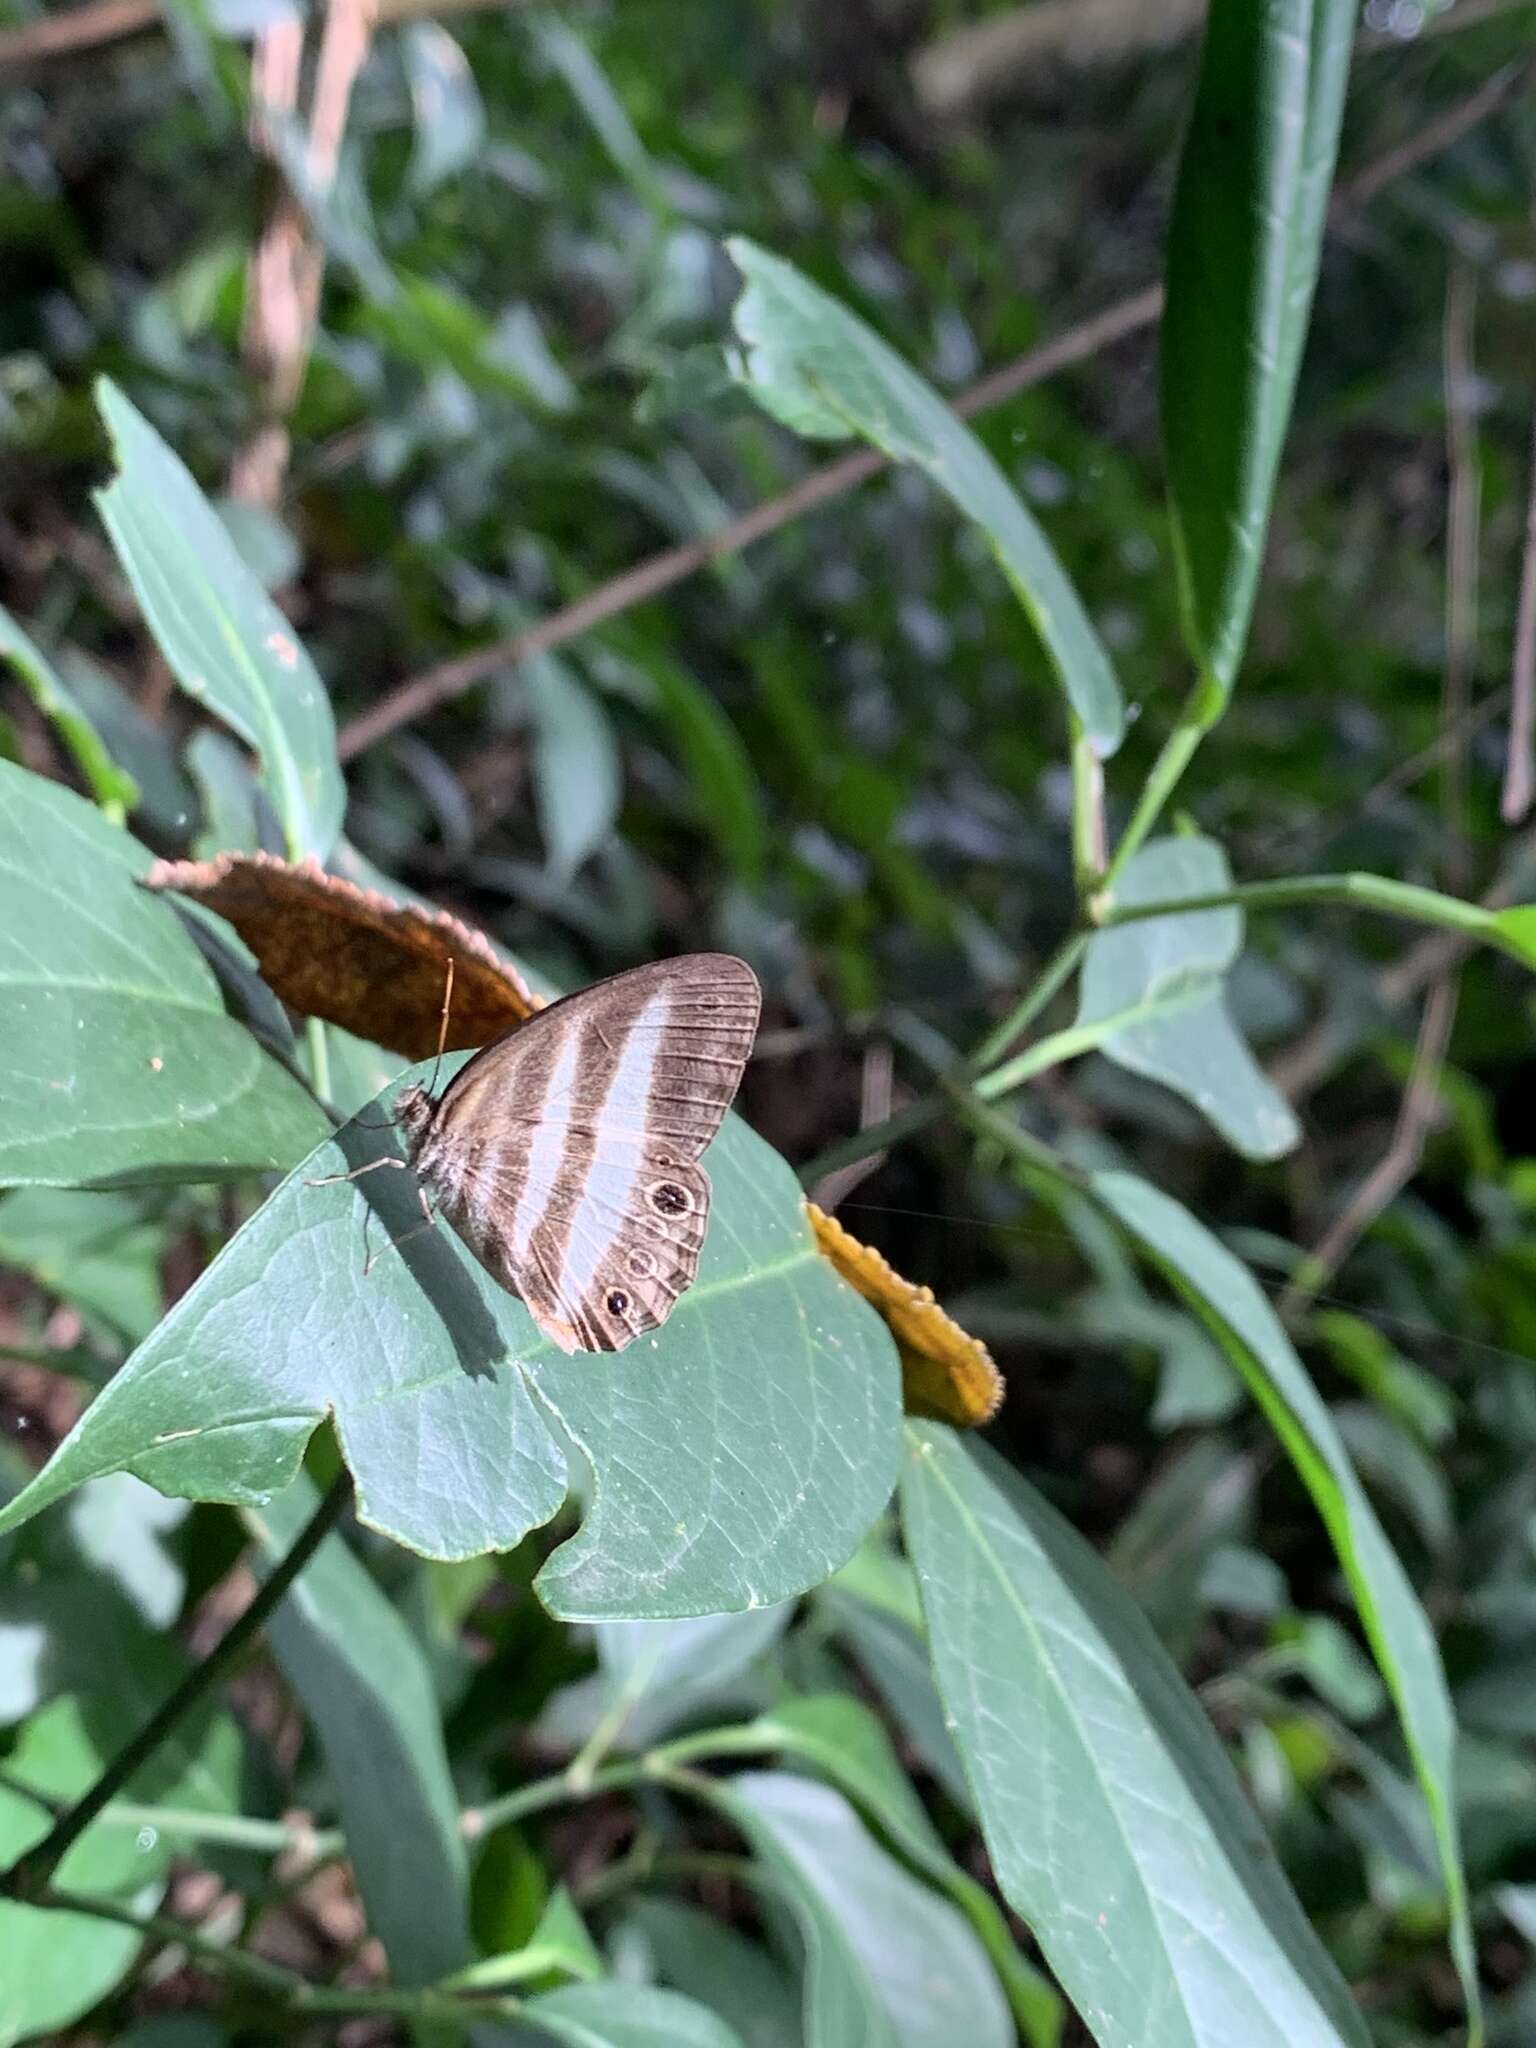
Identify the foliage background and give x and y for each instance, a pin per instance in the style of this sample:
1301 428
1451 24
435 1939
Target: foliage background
839 751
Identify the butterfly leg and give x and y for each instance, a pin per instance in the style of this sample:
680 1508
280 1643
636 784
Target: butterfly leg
327 1180
416 1231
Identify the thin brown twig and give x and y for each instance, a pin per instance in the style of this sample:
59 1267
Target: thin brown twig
87 28
437 685
1421 1097
287 266
1518 766
1396 1166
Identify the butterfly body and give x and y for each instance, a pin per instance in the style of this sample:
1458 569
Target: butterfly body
566 1154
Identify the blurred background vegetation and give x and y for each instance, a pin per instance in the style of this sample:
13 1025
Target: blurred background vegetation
838 751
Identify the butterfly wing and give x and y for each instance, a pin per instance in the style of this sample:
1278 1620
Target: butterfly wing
566 1155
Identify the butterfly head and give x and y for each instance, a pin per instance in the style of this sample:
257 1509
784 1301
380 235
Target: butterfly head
413 1112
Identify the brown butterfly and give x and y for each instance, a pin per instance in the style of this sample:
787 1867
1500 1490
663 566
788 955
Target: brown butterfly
566 1154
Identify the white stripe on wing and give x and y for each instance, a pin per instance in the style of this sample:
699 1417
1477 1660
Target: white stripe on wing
547 1148
620 1122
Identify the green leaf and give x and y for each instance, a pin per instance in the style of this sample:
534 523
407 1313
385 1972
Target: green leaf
653 1675
227 791
368 1693
895 1657
840 1737
1228 1299
922 1961
738 1456
226 642
577 775
613 2015
446 106
1172 970
121 1066
99 1252
707 1960
812 362
840 2005
1113 1820
112 787
725 784
1243 249
55 1966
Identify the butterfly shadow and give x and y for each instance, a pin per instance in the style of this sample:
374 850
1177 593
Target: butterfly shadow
393 1203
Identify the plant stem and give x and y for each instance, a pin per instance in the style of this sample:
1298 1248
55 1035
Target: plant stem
1203 706
1369 892
189 1824
1088 840
1077 1039
32 1873
906 1123
1056 971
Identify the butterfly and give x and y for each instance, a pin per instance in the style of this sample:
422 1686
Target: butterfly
566 1154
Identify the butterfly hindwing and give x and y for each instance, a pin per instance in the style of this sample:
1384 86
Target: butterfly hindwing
566 1155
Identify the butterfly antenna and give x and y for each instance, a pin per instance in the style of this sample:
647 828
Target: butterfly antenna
442 1028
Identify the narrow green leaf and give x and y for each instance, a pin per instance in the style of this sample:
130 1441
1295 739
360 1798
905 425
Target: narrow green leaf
226 642
577 774
367 1691
1196 1049
613 2015
739 1454
446 106
112 787
840 1738
1516 931
840 2005
710 1961
1243 251
1227 1298
812 362
1114 1822
924 1963
725 784
121 1066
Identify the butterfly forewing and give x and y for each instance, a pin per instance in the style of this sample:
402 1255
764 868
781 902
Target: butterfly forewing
566 1154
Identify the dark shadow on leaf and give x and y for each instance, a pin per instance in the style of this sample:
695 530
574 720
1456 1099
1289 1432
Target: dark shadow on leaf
392 1199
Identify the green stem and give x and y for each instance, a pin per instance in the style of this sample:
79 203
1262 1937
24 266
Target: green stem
1077 1039
1057 970
189 1824
429 2003
1367 892
1203 706
319 1058
543 1793
33 1872
1088 845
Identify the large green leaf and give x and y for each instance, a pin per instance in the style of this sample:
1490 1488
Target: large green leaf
738 1455
923 1962
1165 977
1113 1820
1228 1299
1243 248
120 1063
366 1688
817 366
226 642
